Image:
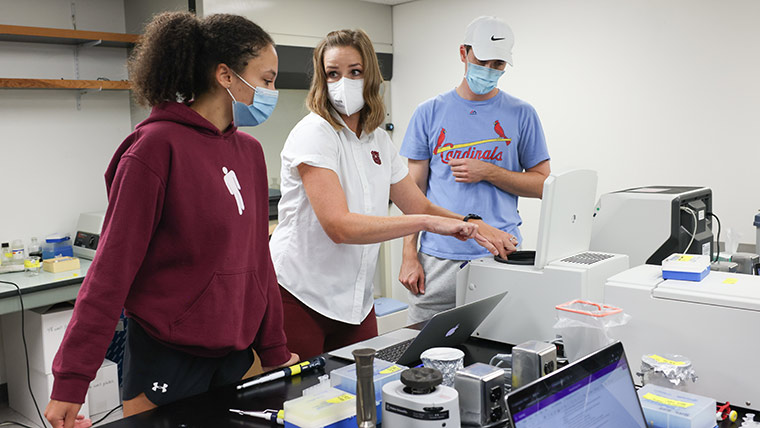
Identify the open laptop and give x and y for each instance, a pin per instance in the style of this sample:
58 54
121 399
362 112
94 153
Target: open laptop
448 328
596 391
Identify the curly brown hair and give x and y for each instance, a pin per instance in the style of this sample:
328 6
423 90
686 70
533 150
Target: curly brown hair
176 56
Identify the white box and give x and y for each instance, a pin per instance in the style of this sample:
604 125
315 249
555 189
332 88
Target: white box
42 386
44 328
103 394
44 332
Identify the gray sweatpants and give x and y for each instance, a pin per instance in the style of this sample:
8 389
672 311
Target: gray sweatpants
440 288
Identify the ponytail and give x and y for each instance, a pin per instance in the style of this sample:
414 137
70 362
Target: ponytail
177 55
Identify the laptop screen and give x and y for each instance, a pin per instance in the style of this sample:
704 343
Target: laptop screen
596 391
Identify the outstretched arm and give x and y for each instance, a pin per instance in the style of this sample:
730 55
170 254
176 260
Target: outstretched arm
328 200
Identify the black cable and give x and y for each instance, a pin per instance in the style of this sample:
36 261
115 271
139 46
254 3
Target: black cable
717 238
107 415
14 423
26 350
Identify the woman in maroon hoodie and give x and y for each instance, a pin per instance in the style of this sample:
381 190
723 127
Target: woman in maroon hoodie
184 248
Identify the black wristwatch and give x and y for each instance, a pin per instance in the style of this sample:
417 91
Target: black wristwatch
472 217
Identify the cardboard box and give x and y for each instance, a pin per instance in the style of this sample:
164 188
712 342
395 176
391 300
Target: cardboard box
103 394
45 328
42 386
60 264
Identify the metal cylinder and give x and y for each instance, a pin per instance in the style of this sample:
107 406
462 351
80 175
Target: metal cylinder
366 412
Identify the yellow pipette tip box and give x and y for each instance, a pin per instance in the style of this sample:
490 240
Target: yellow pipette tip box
60 264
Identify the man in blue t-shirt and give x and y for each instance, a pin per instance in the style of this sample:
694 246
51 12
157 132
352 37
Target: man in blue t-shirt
474 149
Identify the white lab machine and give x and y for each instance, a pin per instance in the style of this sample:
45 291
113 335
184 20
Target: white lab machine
563 268
650 223
713 322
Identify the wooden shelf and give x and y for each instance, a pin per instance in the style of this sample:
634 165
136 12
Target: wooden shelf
17 33
64 84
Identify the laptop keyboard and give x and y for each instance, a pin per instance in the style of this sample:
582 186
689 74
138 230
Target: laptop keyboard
394 352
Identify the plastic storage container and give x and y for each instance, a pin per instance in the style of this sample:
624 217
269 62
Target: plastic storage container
668 408
686 267
584 326
331 408
344 378
57 245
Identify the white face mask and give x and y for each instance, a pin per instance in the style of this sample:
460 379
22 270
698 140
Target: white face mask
346 95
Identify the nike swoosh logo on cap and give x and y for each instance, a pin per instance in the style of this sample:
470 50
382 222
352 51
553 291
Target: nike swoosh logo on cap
496 38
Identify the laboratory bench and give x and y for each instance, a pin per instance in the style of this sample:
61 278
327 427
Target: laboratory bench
211 409
42 290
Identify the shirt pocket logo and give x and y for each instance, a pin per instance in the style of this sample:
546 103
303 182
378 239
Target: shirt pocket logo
376 157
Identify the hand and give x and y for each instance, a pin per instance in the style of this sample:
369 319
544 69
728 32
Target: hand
294 359
412 275
467 170
62 414
459 229
492 239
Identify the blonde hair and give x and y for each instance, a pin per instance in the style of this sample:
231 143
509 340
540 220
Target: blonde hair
372 114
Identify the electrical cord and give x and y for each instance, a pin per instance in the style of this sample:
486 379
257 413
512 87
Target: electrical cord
694 233
107 415
717 238
26 350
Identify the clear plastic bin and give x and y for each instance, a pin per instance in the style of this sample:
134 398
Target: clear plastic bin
584 326
57 245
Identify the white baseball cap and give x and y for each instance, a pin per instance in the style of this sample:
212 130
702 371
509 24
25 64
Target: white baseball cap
490 38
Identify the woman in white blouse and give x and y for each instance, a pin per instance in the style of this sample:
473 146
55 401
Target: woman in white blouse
339 169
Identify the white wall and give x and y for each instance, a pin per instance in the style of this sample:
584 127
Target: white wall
644 92
52 155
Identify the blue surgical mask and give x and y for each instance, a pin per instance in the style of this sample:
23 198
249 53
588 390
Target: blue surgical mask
264 101
482 80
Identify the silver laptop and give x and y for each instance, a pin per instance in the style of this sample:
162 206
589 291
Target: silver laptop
594 392
448 328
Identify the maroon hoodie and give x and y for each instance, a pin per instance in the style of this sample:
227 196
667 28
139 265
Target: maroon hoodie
184 249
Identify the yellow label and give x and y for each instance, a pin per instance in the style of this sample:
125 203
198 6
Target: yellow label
684 258
296 368
391 369
341 399
659 359
730 281
31 263
667 401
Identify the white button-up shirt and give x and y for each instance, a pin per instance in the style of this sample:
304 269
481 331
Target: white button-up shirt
333 279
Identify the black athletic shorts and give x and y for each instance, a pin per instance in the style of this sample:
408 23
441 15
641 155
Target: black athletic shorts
166 375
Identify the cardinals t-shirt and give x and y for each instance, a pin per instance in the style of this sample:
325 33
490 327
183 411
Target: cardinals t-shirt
503 130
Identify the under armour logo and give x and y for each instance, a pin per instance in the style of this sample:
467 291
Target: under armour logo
162 388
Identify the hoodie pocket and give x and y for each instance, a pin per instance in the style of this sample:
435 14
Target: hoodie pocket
225 316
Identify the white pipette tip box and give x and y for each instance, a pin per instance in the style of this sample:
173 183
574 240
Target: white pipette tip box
686 267
668 408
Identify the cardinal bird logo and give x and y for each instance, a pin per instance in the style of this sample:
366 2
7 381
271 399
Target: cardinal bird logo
441 139
500 132
376 157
